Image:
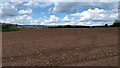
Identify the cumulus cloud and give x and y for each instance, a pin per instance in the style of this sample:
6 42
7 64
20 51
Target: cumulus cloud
17 4
66 19
48 20
25 11
33 4
53 18
91 23
73 7
92 16
97 15
22 19
62 0
8 10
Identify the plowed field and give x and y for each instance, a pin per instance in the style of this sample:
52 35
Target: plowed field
61 47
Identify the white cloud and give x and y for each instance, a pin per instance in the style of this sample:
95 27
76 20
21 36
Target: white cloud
89 17
73 7
8 10
91 14
23 19
17 4
91 23
53 18
25 11
97 15
63 0
33 4
66 19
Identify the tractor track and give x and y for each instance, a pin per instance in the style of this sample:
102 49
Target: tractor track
63 56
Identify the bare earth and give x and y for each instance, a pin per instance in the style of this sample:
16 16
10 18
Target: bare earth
61 47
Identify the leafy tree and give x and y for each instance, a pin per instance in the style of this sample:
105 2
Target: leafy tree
106 25
116 23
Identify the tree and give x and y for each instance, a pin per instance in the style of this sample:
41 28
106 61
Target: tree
116 23
106 25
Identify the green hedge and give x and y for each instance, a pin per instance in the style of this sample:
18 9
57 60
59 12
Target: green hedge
9 29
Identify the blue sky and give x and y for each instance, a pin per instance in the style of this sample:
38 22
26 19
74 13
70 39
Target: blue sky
59 13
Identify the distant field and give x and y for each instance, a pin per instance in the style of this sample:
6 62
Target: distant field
61 47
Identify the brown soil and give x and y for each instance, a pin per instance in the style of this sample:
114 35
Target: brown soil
61 47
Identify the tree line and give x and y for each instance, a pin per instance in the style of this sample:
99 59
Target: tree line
116 23
5 27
